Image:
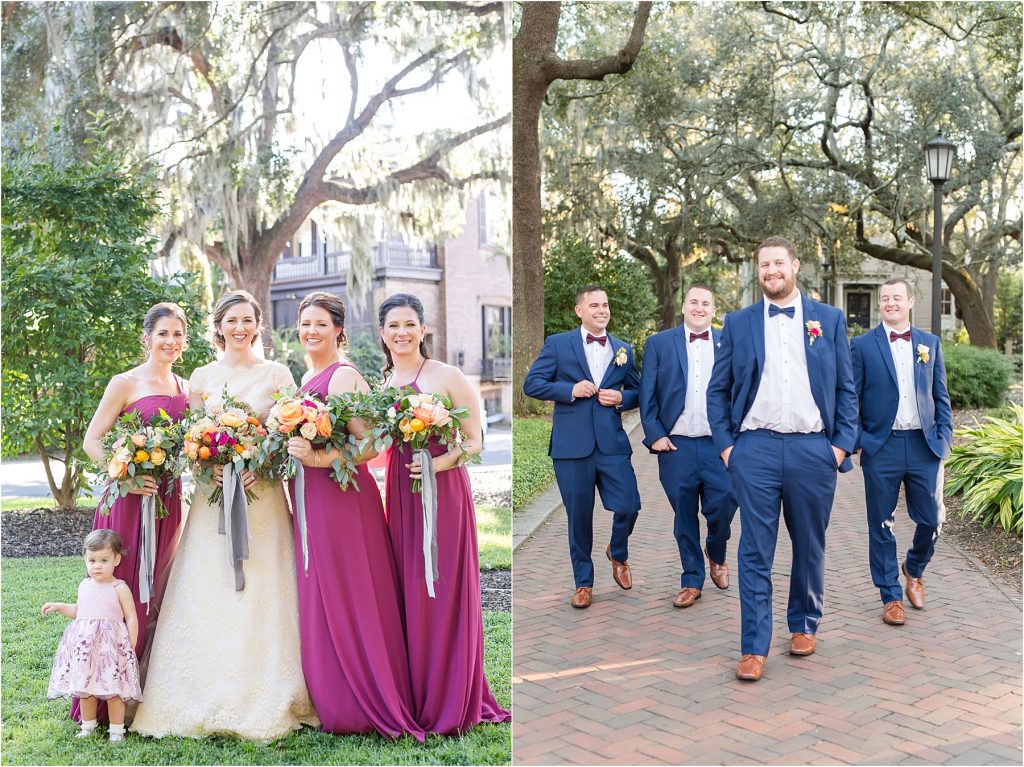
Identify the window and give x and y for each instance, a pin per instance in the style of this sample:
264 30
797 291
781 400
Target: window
858 306
497 342
485 219
313 239
947 301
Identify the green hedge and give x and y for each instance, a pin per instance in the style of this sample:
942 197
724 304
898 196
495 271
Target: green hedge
977 377
532 470
987 468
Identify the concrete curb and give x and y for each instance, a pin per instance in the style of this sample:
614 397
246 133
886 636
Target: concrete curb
526 522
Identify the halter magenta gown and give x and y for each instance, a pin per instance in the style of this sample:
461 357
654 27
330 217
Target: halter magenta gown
445 634
353 649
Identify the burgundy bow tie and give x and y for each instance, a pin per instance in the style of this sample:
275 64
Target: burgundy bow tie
702 336
893 335
600 339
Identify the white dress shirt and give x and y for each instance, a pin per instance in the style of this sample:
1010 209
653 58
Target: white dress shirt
700 359
907 414
598 356
784 401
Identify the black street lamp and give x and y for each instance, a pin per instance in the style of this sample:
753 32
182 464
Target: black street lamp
938 157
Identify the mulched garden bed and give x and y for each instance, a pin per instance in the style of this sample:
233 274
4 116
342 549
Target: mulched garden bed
1002 553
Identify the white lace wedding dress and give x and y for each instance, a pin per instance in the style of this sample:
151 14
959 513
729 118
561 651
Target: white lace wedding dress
226 661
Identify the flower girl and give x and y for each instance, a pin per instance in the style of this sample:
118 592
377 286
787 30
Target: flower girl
95 659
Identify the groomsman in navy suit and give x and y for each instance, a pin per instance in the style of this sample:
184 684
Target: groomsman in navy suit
592 378
673 408
783 411
906 433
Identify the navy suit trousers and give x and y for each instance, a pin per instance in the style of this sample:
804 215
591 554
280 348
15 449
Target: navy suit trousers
904 459
694 476
613 477
796 472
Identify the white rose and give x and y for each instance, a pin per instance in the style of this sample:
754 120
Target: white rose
414 400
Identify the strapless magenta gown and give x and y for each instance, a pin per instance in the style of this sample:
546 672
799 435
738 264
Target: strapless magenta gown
124 518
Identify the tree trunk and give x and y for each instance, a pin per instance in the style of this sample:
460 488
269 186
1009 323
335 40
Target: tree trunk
667 284
534 67
969 300
529 84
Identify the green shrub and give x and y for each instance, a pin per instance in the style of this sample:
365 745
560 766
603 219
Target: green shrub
987 469
532 470
572 263
977 377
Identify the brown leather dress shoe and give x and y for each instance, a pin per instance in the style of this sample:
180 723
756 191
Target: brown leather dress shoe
915 589
801 644
620 570
893 613
583 597
751 667
719 572
686 597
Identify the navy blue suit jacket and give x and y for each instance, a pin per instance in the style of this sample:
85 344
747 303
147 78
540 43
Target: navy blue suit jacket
875 375
739 362
582 424
663 381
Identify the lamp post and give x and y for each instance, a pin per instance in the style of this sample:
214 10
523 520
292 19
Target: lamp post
938 157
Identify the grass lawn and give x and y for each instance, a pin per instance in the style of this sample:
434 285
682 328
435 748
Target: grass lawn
494 531
18 504
531 467
37 731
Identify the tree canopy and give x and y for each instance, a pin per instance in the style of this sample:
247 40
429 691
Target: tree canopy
741 120
258 113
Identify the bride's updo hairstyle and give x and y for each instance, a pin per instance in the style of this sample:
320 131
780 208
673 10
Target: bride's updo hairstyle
224 304
397 301
331 304
156 313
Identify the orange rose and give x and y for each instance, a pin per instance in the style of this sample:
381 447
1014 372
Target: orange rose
253 421
289 415
417 424
238 448
323 424
117 469
204 453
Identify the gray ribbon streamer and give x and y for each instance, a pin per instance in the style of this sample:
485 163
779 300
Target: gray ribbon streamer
147 548
428 494
300 510
234 523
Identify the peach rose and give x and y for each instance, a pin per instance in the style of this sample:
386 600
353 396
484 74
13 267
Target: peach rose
157 456
191 449
139 440
289 415
424 413
116 469
441 415
308 430
323 424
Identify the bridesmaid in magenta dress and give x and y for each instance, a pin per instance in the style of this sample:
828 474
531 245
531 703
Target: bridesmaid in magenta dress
353 647
146 389
444 633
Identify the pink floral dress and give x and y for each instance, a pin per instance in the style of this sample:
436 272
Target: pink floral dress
95 657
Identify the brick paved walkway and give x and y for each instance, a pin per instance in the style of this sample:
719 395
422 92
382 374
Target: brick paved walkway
632 680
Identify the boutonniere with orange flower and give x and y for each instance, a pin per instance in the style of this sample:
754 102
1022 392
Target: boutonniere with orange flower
922 354
813 331
620 356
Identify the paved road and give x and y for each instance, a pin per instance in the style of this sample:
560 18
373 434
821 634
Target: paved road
632 680
26 478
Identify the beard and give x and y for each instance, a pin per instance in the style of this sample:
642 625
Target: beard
789 283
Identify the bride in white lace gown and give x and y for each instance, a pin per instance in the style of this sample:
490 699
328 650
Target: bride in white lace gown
226 661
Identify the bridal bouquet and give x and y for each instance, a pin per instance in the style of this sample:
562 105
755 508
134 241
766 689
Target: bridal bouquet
231 436
421 417
304 415
133 450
